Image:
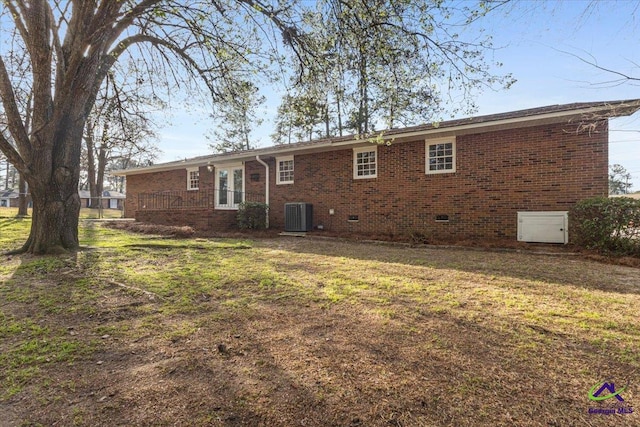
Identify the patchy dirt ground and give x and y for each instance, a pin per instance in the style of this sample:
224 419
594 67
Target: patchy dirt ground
318 333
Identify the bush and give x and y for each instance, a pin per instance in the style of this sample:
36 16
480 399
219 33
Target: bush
418 237
252 215
610 225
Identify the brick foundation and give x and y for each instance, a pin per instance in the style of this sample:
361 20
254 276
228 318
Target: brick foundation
201 219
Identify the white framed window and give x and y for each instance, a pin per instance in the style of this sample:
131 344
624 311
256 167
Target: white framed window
365 162
284 170
440 155
229 186
193 179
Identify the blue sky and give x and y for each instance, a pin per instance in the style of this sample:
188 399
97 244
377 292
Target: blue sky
536 42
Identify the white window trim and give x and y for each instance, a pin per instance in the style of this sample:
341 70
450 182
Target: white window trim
373 148
428 142
284 159
189 170
230 168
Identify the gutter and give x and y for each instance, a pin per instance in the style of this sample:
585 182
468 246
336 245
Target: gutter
266 186
537 115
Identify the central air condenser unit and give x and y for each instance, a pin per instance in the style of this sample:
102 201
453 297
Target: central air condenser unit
298 217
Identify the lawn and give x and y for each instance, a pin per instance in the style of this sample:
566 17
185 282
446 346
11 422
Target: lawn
85 213
147 331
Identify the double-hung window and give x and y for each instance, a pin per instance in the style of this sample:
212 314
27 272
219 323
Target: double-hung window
285 170
229 186
365 162
193 179
441 155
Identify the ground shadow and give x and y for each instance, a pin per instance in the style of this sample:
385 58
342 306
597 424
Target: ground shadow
557 268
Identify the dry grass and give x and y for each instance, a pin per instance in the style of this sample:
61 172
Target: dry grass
285 332
143 228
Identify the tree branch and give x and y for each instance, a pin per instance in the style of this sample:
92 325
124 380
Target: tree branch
61 66
14 121
290 34
18 17
40 55
594 63
12 154
156 41
128 18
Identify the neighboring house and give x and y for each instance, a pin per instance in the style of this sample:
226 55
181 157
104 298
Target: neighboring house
109 200
9 199
482 177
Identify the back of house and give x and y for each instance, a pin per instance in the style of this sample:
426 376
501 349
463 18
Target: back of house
512 176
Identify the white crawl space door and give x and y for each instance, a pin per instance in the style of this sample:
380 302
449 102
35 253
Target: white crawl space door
543 227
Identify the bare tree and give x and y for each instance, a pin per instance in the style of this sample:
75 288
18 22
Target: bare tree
119 123
72 45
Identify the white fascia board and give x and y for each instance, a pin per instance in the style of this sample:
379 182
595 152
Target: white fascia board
185 164
458 129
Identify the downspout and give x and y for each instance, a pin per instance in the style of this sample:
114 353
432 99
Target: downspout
266 186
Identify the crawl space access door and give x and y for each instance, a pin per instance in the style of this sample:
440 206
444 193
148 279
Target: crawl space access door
543 227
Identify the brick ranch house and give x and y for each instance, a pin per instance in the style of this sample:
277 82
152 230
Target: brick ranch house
482 177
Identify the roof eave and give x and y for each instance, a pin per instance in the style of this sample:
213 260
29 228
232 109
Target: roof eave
598 111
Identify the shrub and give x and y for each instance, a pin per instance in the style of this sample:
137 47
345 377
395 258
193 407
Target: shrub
607 225
417 237
252 215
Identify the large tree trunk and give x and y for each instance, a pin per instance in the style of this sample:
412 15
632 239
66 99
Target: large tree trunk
54 191
54 228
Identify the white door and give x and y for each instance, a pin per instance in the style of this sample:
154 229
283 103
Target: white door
229 186
543 227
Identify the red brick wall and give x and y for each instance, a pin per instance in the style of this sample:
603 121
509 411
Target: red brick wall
498 173
201 219
255 189
174 180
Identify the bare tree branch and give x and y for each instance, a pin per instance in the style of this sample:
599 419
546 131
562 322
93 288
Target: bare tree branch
17 14
624 78
14 121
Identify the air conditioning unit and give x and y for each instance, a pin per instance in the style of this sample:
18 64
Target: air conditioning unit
298 217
